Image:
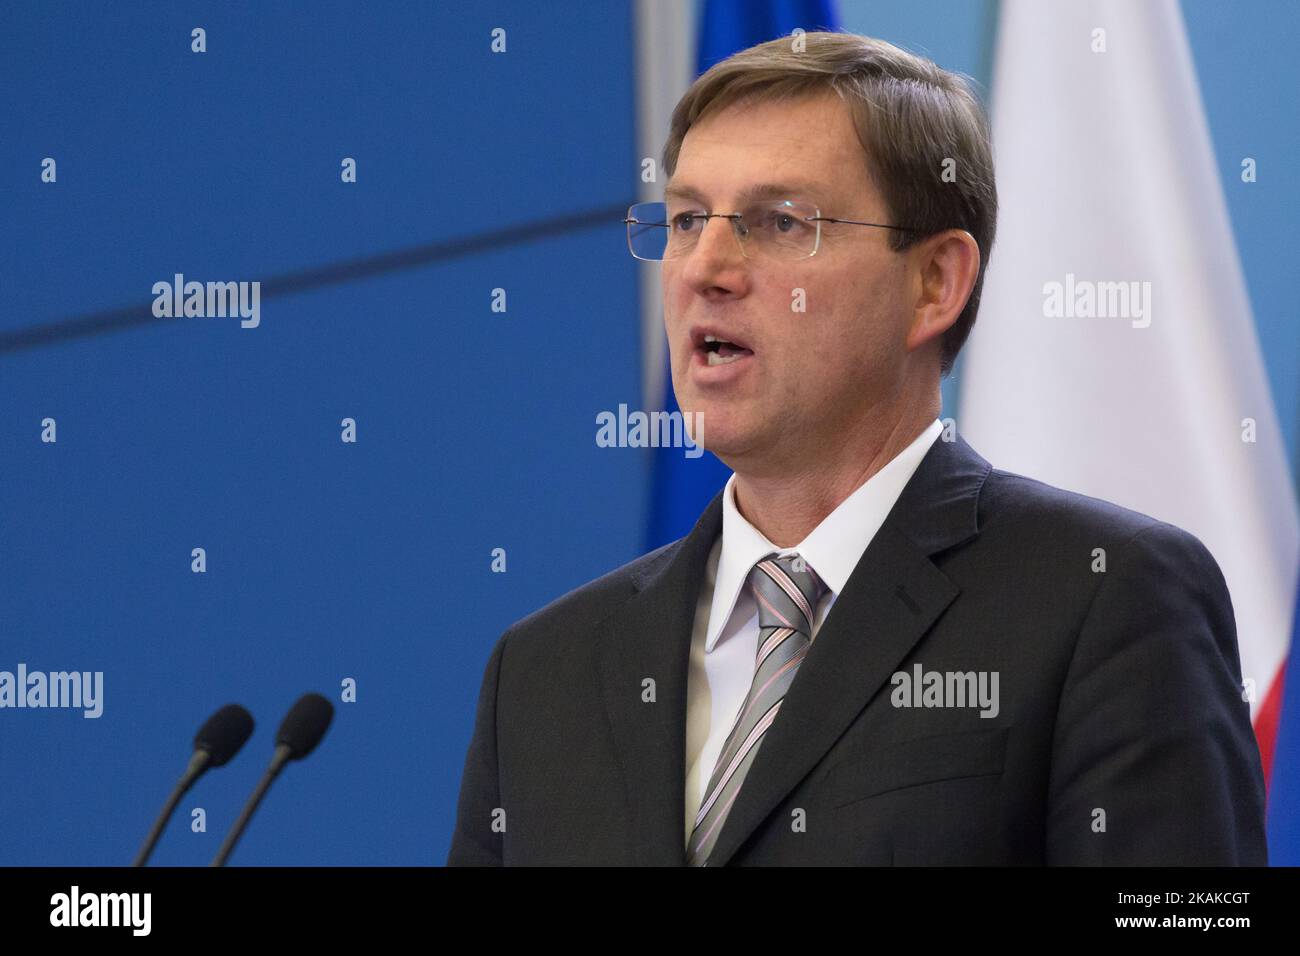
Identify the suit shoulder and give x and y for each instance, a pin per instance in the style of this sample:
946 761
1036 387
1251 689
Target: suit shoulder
1018 503
585 606
1022 515
1031 509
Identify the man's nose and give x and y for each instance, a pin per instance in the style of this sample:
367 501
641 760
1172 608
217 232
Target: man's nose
718 238
717 258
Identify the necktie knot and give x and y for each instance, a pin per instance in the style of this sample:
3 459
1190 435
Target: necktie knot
787 590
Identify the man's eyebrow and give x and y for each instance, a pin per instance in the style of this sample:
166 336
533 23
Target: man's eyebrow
788 190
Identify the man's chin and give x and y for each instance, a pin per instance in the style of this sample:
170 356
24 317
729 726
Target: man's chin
728 428
717 437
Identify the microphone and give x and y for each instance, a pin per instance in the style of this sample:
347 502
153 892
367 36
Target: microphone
300 732
217 741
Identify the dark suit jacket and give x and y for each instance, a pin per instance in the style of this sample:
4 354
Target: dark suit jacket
1121 735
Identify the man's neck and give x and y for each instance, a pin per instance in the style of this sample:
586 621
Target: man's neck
786 508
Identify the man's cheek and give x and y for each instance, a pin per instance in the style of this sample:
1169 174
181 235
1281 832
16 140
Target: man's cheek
817 348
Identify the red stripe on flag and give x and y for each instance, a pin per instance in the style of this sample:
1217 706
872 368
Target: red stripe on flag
1266 721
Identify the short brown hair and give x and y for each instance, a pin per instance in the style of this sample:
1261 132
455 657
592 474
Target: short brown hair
911 116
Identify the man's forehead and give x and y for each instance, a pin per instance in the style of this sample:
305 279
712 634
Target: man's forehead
786 149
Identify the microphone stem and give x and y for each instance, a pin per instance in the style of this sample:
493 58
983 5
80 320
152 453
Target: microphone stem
198 763
278 761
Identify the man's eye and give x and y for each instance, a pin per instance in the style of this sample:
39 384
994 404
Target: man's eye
683 221
775 221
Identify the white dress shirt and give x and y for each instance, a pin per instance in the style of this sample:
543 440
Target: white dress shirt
724 642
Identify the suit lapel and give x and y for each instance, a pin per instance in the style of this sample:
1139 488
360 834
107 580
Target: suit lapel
650 637
891 599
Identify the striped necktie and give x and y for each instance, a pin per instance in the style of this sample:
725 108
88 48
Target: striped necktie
787 591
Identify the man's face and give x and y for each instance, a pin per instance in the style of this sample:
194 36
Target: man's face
812 377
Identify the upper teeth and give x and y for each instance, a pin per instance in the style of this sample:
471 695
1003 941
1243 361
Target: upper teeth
712 338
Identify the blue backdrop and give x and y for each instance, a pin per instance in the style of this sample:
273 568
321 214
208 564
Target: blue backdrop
326 560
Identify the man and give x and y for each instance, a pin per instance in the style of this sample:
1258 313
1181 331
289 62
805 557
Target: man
873 647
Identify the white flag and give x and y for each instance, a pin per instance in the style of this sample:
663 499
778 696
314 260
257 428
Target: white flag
1115 352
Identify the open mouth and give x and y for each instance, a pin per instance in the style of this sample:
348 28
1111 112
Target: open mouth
721 352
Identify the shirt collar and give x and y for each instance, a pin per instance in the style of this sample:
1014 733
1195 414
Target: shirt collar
832 549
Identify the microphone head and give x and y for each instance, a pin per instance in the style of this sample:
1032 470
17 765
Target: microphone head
224 733
304 725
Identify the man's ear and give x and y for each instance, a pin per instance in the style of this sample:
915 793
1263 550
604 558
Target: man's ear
947 265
